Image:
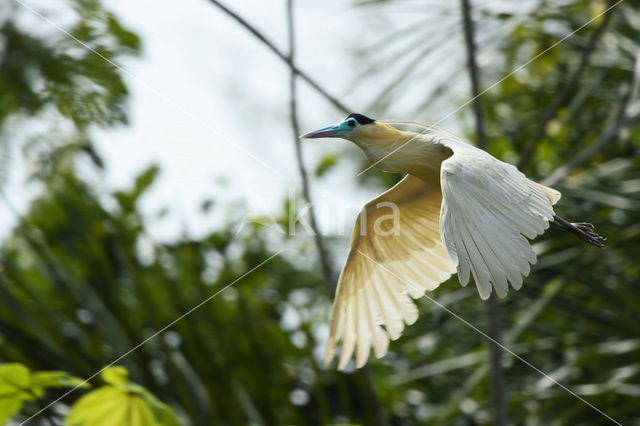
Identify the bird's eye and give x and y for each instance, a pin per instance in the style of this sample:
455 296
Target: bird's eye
352 123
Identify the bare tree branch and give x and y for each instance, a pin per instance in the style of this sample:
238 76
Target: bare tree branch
253 30
498 387
293 101
498 380
324 261
381 418
474 74
565 96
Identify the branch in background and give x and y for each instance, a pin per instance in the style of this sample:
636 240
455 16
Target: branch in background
474 74
324 261
497 386
293 105
565 96
339 105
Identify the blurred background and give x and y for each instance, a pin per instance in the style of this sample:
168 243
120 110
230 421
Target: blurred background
148 158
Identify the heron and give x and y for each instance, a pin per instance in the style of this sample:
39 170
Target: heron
459 210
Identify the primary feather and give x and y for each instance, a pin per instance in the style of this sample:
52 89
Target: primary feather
488 206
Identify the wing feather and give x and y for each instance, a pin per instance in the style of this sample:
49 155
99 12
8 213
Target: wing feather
365 330
477 221
349 338
488 209
379 337
372 305
479 268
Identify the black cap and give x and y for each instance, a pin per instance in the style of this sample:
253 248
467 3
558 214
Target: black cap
361 118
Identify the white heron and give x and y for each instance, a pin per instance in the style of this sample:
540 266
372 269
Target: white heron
460 209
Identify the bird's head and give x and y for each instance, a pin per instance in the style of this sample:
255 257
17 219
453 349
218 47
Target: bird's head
356 128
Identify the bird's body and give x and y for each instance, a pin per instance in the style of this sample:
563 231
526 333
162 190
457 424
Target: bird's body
457 209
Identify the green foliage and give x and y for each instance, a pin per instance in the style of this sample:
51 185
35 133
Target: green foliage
325 164
48 79
120 403
82 282
38 72
19 385
14 389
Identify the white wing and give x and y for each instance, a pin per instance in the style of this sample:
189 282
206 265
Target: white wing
386 266
488 209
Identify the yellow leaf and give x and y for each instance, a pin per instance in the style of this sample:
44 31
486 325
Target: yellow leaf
54 379
105 405
116 375
15 389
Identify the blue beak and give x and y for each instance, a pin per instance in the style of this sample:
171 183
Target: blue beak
329 132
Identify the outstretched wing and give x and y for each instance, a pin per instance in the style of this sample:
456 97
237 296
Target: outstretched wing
396 253
488 209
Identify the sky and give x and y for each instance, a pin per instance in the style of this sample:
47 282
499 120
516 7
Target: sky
210 105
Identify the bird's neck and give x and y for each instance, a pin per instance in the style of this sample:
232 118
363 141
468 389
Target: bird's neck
399 151
378 136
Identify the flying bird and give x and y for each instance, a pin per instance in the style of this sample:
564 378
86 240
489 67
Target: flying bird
459 209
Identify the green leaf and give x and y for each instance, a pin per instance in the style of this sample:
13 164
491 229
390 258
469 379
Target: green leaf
120 403
18 384
57 379
115 376
145 180
326 163
161 411
108 405
14 389
113 405
126 38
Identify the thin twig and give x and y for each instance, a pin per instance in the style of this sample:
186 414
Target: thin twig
253 30
474 74
374 400
324 261
566 94
498 387
306 192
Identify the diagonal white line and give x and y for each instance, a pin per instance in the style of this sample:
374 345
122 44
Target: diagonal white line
156 92
495 84
154 335
493 340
